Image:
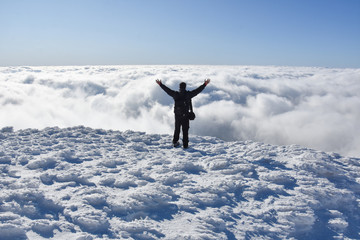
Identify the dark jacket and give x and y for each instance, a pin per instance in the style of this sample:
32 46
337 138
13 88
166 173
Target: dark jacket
182 98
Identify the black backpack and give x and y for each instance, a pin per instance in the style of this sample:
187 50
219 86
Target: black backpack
183 105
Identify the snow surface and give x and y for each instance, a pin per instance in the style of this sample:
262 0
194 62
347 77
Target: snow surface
313 107
84 183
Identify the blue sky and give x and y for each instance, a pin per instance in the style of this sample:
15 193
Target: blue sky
232 32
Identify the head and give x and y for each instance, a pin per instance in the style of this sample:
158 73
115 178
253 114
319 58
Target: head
182 86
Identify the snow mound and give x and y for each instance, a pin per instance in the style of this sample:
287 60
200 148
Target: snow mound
83 183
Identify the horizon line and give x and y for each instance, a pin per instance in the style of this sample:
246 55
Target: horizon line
245 65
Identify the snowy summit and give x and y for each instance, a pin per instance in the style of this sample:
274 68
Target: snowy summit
84 183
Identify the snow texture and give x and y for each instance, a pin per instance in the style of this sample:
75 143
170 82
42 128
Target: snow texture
84 183
314 107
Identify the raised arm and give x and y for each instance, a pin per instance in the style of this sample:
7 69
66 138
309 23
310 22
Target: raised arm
165 88
198 90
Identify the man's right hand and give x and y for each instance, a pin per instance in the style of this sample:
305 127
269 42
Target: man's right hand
207 81
158 81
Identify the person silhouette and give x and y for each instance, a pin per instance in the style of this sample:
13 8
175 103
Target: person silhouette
182 107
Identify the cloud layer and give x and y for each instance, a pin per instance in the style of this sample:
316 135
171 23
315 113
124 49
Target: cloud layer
313 107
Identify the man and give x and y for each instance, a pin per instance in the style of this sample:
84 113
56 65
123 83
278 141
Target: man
182 100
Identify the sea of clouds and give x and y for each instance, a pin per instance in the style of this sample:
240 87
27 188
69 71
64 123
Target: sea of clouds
313 107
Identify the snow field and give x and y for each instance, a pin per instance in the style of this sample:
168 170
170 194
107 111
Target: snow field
84 183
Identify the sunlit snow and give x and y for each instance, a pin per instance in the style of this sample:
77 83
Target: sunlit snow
84 183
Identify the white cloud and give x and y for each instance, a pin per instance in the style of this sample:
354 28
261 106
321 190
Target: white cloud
314 107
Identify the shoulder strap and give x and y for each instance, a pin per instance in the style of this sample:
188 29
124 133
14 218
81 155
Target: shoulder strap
188 101
191 108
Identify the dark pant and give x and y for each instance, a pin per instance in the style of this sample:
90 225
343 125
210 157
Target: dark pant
181 121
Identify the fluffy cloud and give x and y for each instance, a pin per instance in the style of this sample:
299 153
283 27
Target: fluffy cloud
314 107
